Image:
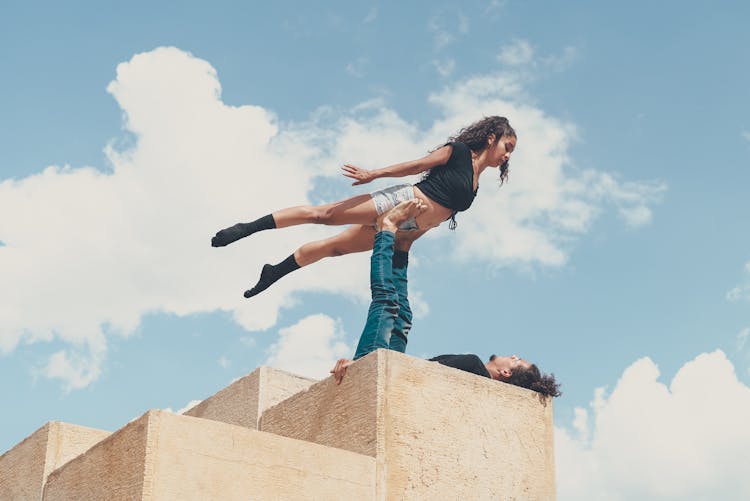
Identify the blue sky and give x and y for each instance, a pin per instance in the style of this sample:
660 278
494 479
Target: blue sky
617 257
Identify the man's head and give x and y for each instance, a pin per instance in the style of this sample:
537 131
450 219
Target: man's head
520 372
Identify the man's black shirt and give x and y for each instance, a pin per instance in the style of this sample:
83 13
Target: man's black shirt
468 363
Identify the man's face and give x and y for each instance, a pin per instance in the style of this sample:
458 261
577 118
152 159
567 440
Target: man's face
501 368
519 363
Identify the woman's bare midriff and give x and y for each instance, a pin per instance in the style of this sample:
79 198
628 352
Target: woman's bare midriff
435 213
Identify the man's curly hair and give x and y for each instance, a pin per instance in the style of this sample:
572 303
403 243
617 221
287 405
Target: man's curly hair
533 379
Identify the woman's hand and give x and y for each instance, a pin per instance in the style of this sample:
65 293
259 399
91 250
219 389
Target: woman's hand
340 369
360 175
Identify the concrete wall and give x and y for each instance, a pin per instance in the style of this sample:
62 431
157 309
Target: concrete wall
345 416
243 401
447 429
112 469
435 432
166 456
24 469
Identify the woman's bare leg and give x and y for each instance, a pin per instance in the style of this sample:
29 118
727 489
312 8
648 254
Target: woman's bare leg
356 210
358 238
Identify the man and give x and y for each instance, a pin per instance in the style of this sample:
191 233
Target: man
389 316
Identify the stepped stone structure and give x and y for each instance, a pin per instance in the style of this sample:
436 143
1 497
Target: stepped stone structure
243 401
25 468
163 456
396 428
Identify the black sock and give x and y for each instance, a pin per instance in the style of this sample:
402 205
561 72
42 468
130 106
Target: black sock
400 259
242 230
271 273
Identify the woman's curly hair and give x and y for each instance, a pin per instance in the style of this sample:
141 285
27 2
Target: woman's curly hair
475 137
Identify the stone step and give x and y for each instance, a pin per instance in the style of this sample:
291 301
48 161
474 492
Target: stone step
167 456
243 401
24 468
435 432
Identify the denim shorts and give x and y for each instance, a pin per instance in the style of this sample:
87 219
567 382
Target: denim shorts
388 198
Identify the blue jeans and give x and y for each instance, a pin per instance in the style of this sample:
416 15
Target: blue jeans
389 317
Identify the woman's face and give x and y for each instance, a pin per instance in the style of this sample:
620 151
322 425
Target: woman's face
499 152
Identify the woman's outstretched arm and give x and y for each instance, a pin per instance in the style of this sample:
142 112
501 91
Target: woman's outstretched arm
362 176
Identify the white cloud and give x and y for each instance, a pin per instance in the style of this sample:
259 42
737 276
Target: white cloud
445 30
521 56
632 199
561 61
94 251
248 341
746 135
357 67
581 424
77 368
742 291
224 362
517 53
688 440
494 7
735 294
372 15
547 202
463 24
187 407
89 252
445 66
742 338
310 347
442 38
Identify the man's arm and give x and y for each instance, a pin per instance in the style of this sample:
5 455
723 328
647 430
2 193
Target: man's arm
339 370
362 176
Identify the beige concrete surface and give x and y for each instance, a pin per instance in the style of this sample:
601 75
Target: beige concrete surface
24 468
344 416
163 456
243 401
436 432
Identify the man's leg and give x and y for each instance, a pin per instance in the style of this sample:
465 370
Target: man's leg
384 306
402 325
383 311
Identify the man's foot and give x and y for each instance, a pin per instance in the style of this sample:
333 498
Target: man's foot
404 239
391 220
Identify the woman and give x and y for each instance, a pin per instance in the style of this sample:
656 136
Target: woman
449 187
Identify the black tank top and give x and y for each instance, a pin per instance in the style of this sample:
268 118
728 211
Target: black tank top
451 184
